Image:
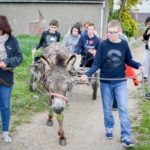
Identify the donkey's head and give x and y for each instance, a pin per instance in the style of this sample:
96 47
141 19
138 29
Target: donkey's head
58 83
56 79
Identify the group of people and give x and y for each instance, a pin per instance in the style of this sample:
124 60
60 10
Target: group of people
80 42
110 56
10 57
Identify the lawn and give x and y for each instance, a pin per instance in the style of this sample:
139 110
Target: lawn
143 127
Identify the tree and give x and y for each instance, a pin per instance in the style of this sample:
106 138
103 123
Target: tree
122 7
123 15
126 5
111 4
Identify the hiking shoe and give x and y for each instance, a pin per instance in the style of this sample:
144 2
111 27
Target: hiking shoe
127 143
49 122
109 134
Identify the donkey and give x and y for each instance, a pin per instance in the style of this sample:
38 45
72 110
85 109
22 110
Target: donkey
53 75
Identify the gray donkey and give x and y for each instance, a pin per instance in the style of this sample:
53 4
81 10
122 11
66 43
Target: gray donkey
51 72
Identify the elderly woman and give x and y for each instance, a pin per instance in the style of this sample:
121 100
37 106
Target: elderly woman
10 57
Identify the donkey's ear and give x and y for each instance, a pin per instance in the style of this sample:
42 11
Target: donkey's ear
70 61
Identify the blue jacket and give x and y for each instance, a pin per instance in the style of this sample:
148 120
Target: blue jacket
111 59
14 58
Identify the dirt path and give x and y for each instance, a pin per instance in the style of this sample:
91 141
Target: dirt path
83 124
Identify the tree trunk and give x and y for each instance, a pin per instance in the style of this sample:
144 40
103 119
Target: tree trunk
111 5
122 6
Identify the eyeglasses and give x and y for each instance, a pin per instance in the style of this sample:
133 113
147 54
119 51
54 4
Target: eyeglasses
112 32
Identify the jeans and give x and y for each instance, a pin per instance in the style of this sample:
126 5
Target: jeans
146 63
119 91
5 93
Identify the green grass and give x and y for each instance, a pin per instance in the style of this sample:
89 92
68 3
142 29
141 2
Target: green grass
23 102
143 129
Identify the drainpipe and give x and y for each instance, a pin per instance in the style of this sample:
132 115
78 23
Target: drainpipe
104 19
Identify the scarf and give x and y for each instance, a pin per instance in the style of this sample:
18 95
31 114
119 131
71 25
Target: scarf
3 39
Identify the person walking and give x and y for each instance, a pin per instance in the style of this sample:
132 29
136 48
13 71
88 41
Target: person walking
111 57
10 57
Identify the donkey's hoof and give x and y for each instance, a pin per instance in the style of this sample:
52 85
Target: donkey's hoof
62 141
49 122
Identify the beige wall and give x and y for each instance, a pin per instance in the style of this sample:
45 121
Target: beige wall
20 15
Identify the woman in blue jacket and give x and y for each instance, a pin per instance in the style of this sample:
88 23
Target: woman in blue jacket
10 57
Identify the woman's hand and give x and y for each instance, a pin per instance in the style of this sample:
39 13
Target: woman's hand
2 64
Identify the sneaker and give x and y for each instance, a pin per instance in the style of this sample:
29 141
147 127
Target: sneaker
6 137
147 96
49 122
145 79
127 143
109 134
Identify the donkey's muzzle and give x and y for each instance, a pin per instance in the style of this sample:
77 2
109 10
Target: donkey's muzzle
58 110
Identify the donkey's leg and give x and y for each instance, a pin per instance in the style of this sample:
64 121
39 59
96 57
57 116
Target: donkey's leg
62 138
50 115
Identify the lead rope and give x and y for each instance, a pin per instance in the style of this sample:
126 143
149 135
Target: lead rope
24 79
95 78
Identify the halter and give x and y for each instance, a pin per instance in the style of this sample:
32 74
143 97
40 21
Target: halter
60 96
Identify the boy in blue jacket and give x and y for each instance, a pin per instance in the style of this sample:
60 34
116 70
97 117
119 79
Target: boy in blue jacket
87 46
111 57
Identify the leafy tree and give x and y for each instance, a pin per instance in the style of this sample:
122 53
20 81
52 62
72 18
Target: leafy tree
129 25
111 4
125 5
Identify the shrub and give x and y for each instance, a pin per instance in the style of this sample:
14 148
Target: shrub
129 25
